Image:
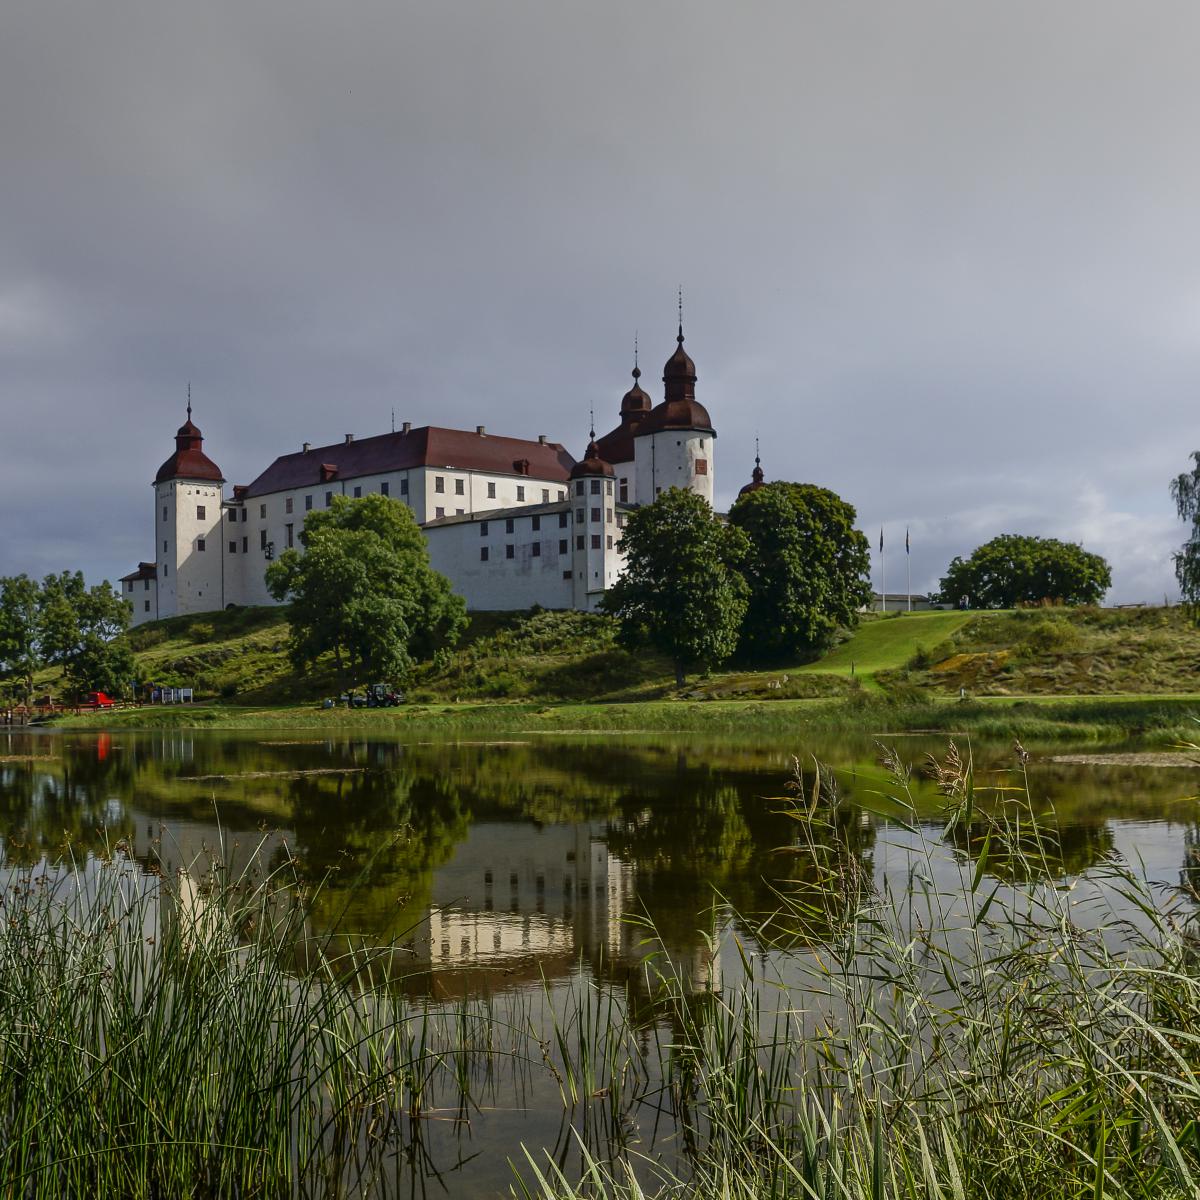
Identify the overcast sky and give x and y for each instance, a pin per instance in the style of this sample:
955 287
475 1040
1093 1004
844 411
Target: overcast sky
943 257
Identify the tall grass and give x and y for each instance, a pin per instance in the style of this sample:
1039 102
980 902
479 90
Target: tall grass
989 1030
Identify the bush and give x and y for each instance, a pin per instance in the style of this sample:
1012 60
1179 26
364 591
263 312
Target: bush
1050 635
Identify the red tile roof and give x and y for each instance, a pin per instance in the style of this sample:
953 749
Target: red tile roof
145 571
429 446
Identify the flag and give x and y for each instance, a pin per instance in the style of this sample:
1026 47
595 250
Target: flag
906 549
881 539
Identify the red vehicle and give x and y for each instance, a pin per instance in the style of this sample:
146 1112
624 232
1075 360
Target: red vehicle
96 700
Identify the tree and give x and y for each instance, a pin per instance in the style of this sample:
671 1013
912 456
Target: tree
20 650
1185 491
808 569
681 592
1012 569
80 630
364 591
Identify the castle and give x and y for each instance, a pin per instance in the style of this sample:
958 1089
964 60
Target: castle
510 522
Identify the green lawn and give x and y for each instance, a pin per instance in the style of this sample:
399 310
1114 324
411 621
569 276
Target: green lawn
885 643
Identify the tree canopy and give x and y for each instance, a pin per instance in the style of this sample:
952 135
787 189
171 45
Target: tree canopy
682 592
807 569
363 590
1013 569
62 622
1185 491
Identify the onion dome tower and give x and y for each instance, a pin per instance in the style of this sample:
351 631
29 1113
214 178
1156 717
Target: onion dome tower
756 476
189 460
595 563
617 445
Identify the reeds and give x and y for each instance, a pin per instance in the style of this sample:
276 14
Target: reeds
990 1030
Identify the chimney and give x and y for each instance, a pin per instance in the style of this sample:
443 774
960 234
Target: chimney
406 427
349 438
307 447
481 430
541 439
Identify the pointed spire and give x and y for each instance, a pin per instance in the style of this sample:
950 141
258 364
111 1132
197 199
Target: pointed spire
189 406
679 339
592 424
637 374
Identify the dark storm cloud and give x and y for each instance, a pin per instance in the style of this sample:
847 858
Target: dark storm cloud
944 258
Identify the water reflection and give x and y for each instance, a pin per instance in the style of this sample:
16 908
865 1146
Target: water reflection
502 863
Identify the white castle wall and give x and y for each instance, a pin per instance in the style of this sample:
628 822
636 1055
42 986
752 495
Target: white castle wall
674 458
142 595
188 547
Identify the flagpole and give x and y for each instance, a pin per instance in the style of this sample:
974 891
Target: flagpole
908 567
882 574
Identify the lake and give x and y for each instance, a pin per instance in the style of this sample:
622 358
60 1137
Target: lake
523 867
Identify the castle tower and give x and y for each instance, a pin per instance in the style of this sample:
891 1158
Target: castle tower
673 445
187 527
756 476
596 559
617 446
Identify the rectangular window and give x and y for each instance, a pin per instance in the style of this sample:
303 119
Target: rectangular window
458 487
199 512
608 487
510 551
147 605
358 493
262 512
562 520
245 545
508 525
384 488
459 512
537 550
164 547
439 483
164 512
520 491
624 496
308 504
291 541
579 515
595 541
438 512
579 542
166 569
233 516
262 539
537 523
702 466
491 491
566 574
595 487
610 541
608 515
328 499
200 544
233 546
579 487
404 487
562 545
483 554
545 495
145 585
483 529
595 514
287 505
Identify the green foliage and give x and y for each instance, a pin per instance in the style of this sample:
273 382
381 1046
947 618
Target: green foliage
1185 491
364 591
1051 635
65 623
808 570
682 592
1013 569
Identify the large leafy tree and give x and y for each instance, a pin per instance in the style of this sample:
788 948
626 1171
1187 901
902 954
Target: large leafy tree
682 592
1012 569
20 631
363 590
81 630
1185 491
808 569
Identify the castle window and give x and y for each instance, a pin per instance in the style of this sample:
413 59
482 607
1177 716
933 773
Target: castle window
458 512
562 546
166 569
233 516
536 550
579 487
608 487
147 605
509 525
595 541
545 495
384 489
145 585
491 491
290 538
358 493
520 491
439 483
537 523
595 487
595 514
566 574
164 512
164 547
510 551
702 466
438 512
262 512
199 512
624 496
200 544
608 515
579 516
562 520
308 504
483 529
458 487
245 545
579 541
287 505
328 499
233 546
483 554
404 487
610 541
262 539
129 586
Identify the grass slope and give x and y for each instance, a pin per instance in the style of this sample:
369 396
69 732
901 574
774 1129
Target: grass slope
887 642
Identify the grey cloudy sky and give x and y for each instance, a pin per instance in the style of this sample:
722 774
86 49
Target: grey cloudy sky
945 257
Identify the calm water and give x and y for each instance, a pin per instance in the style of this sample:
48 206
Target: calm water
495 866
